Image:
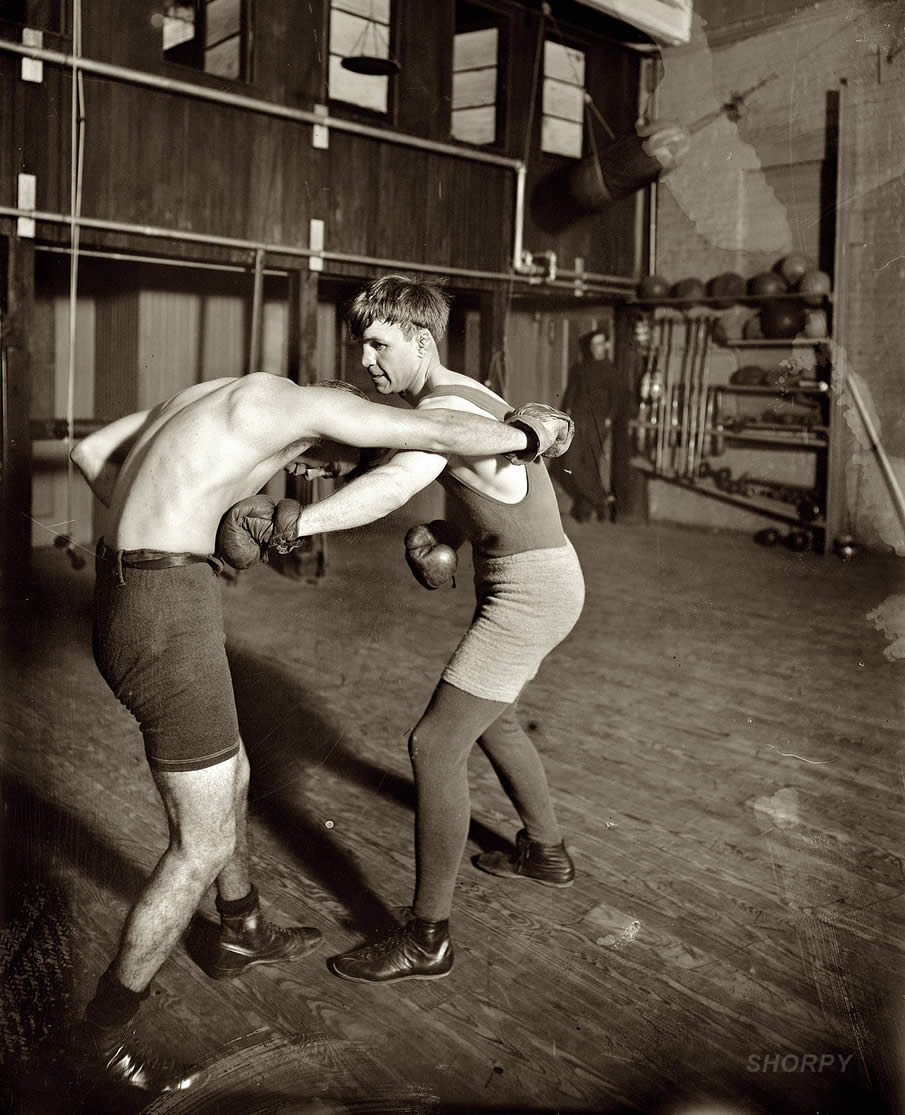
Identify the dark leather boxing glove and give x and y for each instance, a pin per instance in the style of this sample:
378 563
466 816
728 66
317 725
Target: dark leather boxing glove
245 532
549 431
430 550
286 526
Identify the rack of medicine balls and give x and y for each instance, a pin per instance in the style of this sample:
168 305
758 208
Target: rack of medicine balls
687 418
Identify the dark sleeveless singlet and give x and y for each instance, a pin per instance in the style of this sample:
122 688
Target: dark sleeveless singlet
498 529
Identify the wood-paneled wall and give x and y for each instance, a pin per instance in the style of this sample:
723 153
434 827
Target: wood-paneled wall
161 159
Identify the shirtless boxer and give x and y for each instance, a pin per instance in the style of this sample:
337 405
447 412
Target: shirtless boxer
530 594
159 643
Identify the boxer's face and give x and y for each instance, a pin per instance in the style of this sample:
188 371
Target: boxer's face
390 358
598 346
323 460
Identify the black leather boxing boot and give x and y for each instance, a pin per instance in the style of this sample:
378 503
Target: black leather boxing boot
247 938
115 1057
418 950
547 864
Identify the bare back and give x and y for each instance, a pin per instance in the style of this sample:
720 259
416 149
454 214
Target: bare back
190 463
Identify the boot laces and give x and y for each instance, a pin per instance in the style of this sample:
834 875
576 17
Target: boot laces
386 944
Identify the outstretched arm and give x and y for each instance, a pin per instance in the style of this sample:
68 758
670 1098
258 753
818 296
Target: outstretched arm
285 413
373 495
99 456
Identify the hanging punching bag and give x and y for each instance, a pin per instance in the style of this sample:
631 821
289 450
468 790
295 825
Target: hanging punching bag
628 164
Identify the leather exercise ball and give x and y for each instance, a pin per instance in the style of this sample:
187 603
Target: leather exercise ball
727 287
690 290
768 284
793 266
781 319
653 288
815 285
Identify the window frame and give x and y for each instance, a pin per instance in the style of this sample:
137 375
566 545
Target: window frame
567 43
352 109
245 35
502 20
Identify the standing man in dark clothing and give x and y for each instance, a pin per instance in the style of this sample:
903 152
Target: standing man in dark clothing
590 400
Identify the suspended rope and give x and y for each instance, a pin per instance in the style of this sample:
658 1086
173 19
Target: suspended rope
77 140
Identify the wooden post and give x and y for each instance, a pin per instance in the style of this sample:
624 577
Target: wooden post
302 368
494 371
303 339
629 484
17 294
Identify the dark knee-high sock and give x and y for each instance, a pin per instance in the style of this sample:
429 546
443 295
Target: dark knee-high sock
439 749
113 1003
521 772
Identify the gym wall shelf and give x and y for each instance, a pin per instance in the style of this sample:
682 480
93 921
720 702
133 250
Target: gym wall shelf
686 422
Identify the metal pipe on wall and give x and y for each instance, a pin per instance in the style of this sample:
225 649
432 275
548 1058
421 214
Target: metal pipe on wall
616 287
303 116
162 261
257 299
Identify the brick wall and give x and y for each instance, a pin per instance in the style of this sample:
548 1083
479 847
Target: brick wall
749 193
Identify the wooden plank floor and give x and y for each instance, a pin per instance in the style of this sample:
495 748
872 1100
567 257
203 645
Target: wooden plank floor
724 733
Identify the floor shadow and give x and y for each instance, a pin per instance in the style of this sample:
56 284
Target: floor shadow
287 732
42 839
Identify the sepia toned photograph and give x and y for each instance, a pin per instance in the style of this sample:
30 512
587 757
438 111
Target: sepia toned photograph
452 515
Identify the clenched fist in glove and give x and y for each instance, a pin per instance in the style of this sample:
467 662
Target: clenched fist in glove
549 431
245 532
430 550
286 526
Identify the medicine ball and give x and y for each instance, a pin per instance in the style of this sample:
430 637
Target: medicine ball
793 266
815 284
653 288
781 319
727 287
690 290
753 330
768 283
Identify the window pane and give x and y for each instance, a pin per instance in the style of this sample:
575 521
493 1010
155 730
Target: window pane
178 25
474 87
357 89
225 58
563 62
222 19
349 34
563 100
378 9
560 137
475 78
474 125
472 49
359 27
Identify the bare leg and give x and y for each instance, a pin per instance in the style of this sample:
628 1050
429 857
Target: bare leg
200 808
234 881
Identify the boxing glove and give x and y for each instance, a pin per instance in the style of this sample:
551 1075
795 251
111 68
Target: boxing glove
430 550
549 431
286 535
245 532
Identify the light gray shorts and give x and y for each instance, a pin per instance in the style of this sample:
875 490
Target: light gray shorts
527 604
